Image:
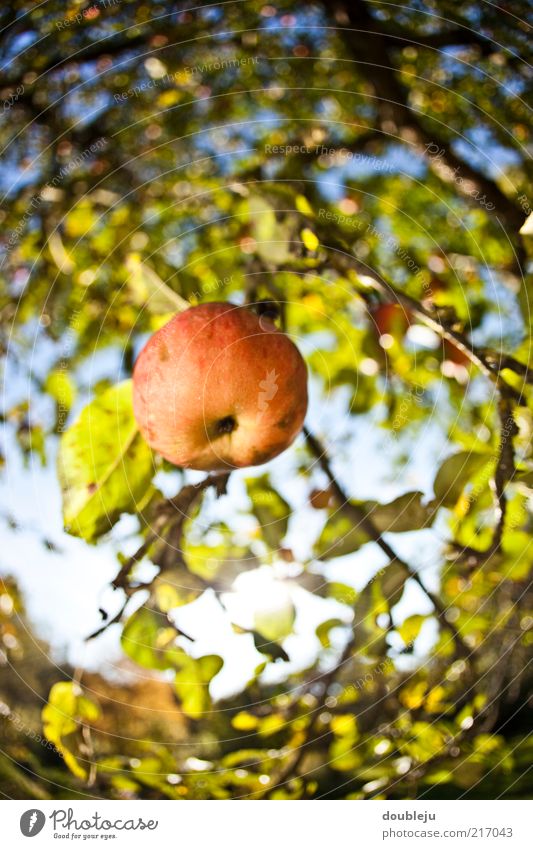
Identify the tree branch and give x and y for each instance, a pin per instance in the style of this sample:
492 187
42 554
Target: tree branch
171 515
361 518
489 363
367 39
505 468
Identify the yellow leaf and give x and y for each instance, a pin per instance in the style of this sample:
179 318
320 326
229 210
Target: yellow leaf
344 725
309 239
434 699
527 227
303 205
245 721
413 697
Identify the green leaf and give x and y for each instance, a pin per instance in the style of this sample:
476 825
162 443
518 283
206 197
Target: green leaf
67 709
105 467
456 472
270 235
61 387
343 593
410 627
270 509
339 536
303 206
342 535
168 595
275 622
269 647
392 582
406 513
324 628
192 682
218 563
149 639
244 721
150 291
309 239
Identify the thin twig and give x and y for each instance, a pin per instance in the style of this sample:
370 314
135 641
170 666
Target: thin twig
505 467
360 517
171 514
503 474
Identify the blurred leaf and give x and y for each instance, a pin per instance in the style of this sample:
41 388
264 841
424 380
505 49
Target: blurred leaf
192 682
412 695
343 593
244 721
406 513
339 536
270 235
269 647
270 509
410 627
67 709
105 467
342 535
149 639
150 291
60 385
275 622
309 239
456 472
392 581
303 206
324 628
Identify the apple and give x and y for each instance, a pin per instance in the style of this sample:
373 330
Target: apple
219 388
390 319
455 355
320 499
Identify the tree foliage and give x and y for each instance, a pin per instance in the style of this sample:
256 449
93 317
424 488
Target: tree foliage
364 167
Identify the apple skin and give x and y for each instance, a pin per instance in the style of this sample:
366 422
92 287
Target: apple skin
455 354
390 318
321 499
218 388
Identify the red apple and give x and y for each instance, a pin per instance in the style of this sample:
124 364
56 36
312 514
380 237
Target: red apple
393 319
451 352
219 388
320 499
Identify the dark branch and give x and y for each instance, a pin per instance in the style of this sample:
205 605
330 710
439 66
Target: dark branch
503 475
361 518
489 363
170 518
370 44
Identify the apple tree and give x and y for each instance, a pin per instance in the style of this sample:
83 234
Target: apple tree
358 171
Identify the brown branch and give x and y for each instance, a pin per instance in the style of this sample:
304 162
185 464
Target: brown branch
504 472
361 518
171 515
498 361
456 37
291 767
505 467
489 363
